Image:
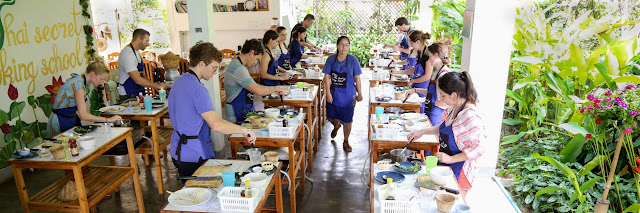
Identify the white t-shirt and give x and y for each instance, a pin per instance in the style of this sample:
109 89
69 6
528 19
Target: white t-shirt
127 62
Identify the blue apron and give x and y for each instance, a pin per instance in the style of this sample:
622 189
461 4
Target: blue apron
448 145
203 137
343 90
273 70
417 73
285 60
435 113
296 59
129 85
404 43
67 117
243 103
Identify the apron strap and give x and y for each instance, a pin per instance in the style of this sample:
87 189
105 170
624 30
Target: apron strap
437 76
183 140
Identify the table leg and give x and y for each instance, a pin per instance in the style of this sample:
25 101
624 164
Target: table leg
136 176
303 165
310 140
22 188
279 207
156 154
233 148
145 156
292 177
374 153
82 194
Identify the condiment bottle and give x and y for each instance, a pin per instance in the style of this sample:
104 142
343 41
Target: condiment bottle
141 100
247 189
65 148
73 147
388 194
284 121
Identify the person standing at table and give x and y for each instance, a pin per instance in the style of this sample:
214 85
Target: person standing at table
462 136
269 69
130 66
403 45
69 104
282 52
296 48
421 72
439 59
342 80
306 23
239 85
192 113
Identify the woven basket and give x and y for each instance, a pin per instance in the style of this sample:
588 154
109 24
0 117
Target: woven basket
57 151
271 156
170 60
445 202
69 192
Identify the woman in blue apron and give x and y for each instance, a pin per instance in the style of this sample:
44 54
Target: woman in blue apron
270 72
462 135
422 70
405 44
342 79
297 50
72 95
284 60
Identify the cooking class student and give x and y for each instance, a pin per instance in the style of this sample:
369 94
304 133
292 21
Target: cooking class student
439 59
421 72
192 113
271 74
306 23
281 51
462 135
239 85
130 66
342 80
295 47
402 44
72 95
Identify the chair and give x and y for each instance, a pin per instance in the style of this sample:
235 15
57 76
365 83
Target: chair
184 66
228 53
146 53
113 56
113 67
148 74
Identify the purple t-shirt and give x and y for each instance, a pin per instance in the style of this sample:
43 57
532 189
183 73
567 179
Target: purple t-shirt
188 99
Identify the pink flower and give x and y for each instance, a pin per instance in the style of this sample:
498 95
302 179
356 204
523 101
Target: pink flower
627 131
608 99
623 105
5 128
598 121
630 86
635 123
618 100
588 136
582 110
633 113
591 97
589 107
596 101
608 93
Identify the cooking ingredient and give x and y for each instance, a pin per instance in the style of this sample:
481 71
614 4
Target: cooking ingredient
73 146
252 114
65 148
247 190
388 194
414 168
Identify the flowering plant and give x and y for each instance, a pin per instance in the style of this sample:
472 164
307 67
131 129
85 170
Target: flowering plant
617 108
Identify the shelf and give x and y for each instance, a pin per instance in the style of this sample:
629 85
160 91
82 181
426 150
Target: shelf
99 181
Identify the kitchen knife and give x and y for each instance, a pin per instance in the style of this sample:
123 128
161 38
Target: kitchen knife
436 188
200 178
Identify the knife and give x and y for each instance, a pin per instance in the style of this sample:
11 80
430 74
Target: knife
200 178
436 188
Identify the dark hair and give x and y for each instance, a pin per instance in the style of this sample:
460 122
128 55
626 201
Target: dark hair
401 21
252 44
280 29
268 36
415 35
139 33
460 83
205 52
297 31
338 43
309 17
441 50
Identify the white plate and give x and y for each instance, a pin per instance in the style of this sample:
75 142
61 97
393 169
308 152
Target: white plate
111 109
413 116
187 192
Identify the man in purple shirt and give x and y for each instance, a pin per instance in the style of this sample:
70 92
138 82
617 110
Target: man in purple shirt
190 107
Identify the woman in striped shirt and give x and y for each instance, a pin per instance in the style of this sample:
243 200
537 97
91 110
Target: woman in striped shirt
462 134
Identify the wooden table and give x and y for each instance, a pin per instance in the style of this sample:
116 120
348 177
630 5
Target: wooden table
372 82
238 166
313 61
296 160
154 148
98 180
320 97
426 142
429 203
311 104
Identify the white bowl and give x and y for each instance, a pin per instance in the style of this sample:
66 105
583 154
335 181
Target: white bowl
272 112
440 175
87 142
258 180
24 152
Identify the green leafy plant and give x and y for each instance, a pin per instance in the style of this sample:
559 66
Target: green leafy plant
447 23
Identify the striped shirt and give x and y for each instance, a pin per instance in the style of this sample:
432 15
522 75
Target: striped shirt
470 133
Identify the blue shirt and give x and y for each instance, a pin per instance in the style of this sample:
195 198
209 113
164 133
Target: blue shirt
353 66
296 52
66 93
187 100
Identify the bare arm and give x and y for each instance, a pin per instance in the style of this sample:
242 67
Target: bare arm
86 116
420 80
264 68
434 130
261 90
144 82
224 127
406 72
357 78
327 86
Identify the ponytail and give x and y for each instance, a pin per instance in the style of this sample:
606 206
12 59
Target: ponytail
441 50
460 83
97 65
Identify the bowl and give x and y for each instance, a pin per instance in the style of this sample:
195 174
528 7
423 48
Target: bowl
440 175
272 112
87 142
24 152
258 180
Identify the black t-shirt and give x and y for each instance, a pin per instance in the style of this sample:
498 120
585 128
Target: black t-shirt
296 26
423 57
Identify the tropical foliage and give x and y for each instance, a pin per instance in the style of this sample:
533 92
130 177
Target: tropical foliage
446 26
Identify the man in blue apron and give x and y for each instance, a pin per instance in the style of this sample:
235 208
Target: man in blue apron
403 45
239 85
306 23
130 66
342 79
192 113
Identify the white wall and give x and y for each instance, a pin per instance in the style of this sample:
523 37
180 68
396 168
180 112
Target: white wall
486 56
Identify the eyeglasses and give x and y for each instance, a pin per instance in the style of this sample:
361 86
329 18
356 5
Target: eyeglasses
344 45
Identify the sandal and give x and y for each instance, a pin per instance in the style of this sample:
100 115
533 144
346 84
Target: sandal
346 146
335 130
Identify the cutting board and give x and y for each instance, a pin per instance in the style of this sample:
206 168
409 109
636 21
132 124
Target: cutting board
207 171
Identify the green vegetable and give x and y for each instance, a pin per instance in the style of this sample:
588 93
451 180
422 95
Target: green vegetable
252 114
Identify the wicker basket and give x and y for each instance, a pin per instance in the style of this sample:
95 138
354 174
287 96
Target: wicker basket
69 192
57 151
170 60
444 202
271 156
